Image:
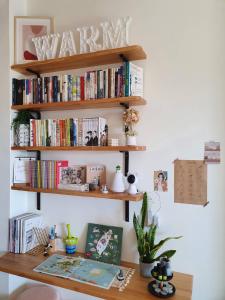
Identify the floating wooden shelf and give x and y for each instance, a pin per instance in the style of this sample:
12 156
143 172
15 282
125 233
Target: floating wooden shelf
78 61
81 148
23 264
94 194
84 104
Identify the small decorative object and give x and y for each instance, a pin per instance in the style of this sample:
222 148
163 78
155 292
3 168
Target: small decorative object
162 273
67 45
115 34
147 237
118 185
113 142
132 180
130 118
104 243
160 181
212 152
96 174
27 28
21 128
89 43
120 276
46 46
70 241
104 189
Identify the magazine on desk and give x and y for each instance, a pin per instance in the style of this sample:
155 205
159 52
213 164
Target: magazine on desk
79 269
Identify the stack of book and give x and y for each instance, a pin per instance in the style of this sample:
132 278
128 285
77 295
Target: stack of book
125 80
45 174
69 132
21 234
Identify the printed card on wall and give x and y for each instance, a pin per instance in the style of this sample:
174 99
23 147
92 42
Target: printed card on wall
190 182
104 243
160 181
212 152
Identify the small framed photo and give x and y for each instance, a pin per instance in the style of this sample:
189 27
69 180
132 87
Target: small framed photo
160 181
26 28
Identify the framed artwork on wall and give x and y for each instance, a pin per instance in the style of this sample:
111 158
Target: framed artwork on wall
104 243
26 28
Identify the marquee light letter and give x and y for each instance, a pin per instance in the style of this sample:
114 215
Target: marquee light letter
89 41
46 46
67 45
115 34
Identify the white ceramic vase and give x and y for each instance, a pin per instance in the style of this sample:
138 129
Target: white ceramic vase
131 140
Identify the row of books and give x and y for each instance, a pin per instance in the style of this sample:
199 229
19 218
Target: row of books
53 174
126 80
69 132
21 234
45 173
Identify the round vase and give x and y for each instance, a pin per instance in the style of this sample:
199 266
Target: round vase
146 269
131 140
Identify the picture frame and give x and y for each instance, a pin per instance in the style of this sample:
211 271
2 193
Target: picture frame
104 243
26 28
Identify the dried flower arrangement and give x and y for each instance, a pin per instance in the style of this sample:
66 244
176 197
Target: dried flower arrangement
130 118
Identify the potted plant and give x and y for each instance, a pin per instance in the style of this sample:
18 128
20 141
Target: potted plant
130 118
147 248
21 127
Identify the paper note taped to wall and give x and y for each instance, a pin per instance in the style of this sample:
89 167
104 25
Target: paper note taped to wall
190 182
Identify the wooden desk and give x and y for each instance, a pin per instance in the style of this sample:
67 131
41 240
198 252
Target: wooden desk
23 265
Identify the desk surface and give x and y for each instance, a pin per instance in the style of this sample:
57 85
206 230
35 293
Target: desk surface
23 265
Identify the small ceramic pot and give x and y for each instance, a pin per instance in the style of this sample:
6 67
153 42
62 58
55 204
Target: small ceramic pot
146 269
131 140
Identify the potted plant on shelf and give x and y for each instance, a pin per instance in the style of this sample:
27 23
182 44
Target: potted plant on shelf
130 118
21 127
147 247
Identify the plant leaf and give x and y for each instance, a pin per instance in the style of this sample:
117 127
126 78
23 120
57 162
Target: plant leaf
144 209
162 242
168 254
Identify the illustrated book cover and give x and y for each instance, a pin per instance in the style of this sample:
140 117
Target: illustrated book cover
79 269
104 243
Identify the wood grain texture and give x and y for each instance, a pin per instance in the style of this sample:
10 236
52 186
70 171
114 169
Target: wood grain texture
23 265
84 104
81 148
78 61
94 194
190 182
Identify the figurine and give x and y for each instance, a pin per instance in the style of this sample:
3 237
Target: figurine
104 189
120 275
70 241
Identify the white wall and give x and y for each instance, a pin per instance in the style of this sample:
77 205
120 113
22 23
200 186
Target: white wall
184 76
4 137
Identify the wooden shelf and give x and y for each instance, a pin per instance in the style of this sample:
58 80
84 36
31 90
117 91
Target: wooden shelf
78 61
81 148
23 264
94 194
84 104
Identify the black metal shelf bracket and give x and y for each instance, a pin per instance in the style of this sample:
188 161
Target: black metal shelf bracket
123 57
126 170
38 194
125 105
33 72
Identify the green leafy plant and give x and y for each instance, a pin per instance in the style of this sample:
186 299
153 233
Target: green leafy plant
147 247
22 117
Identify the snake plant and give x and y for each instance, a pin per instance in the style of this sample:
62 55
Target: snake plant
147 247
